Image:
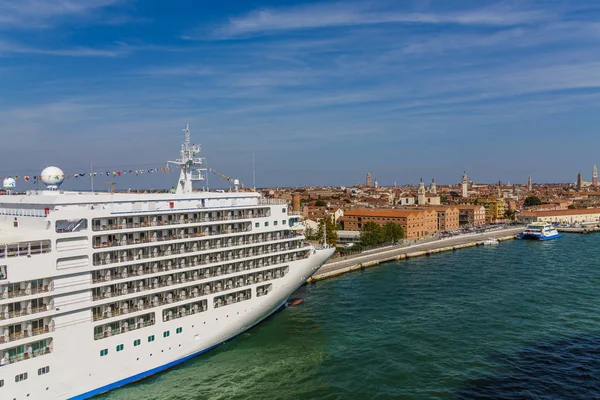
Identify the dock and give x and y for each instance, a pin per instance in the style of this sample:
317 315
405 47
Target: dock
358 262
583 230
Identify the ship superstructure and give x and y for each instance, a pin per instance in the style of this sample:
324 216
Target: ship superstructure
101 289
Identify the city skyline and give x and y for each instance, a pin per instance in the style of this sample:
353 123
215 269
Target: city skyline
319 92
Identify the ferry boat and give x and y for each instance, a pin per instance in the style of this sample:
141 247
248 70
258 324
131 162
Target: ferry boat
540 231
98 290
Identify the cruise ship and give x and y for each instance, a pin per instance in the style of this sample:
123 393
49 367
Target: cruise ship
540 231
98 290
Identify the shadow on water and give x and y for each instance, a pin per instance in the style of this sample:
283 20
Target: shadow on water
565 369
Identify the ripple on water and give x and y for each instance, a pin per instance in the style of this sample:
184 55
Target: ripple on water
518 320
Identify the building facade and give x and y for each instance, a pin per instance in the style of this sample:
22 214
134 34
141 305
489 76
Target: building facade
416 223
561 216
471 215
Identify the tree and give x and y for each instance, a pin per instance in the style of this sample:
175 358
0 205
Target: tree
571 207
392 232
321 203
443 198
532 201
372 234
330 227
509 214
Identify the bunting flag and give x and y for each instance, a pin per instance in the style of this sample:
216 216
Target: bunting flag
35 178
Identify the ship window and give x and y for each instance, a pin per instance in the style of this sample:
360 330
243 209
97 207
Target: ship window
21 377
275 223
179 330
103 352
1 382
257 225
267 223
43 371
120 347
151 338
283 210
137 342
166 334
283 222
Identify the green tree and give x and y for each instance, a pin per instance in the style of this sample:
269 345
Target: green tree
330 227
571 207
392 232
443 198
509 214
321 203
532 201
371 234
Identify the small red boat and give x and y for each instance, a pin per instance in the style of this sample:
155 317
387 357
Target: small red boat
294 302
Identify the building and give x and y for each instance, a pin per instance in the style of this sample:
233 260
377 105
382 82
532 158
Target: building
447 217
595 177
579 181
406 199
561 216
416 223
471 215
529 184
344 237
433 187
368 179
465 185
494 208
427 198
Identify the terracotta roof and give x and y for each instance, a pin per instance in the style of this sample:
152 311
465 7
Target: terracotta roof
362 212
579 211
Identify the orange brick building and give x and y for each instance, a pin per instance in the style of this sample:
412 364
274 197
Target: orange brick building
447 217
416 223
473 215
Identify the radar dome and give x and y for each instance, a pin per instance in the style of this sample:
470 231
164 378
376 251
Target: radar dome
9 183
52 177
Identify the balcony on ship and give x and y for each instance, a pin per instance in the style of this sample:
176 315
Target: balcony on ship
26 288
26 329
185 310
25 249
124 326
232 298
153 220
124 255
26 351
28 307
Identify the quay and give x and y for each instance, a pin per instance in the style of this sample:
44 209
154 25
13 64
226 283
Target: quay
584 230
395 253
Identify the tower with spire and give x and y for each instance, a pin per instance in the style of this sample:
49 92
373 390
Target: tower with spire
595 177
579 181
421 197
433 188
529 184
465 185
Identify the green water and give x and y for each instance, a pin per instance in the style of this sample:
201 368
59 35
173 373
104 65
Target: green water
516 320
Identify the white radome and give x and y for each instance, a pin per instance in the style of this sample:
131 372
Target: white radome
52 176
9 183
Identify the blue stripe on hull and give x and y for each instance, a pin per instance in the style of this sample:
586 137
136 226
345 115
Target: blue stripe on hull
539 237
153 371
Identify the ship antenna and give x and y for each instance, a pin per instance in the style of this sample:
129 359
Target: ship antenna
186 162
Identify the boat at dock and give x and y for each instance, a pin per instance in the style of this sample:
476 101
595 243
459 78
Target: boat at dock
491 241
540 231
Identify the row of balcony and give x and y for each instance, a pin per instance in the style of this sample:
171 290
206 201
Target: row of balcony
27 288
14 310
114 257
26 352
232 298
130 239
184 310
123 326
179 295
24 249
104 224
11 337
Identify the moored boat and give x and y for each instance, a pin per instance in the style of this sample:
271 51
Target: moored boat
540 231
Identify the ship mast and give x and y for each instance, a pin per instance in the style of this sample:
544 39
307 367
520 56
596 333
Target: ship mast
186 163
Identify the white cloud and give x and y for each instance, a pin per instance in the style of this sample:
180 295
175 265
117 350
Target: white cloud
348 14
32 14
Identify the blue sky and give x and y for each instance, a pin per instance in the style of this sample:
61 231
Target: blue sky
321 92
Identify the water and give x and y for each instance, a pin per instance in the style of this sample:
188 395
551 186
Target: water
520 320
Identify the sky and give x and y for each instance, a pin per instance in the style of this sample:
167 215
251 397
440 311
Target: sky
321 92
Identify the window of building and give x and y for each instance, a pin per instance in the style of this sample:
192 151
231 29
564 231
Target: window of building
43 371
283 210
120 347
1 382
257 225
151 338
166 334
266 224
283 222
21 377
275 223
137 342
179 330
103 352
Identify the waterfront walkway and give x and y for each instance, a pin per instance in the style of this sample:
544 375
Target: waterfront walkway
373 257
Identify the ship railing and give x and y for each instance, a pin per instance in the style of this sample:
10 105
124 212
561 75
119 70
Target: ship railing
272 202
26 334
25 292
27 356
129 225
138 325
161 253
24 311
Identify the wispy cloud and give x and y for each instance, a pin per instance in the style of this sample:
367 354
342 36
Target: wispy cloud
10 48
35 14
328 15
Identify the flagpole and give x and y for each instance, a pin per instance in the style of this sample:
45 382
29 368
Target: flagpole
92 175
253 174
